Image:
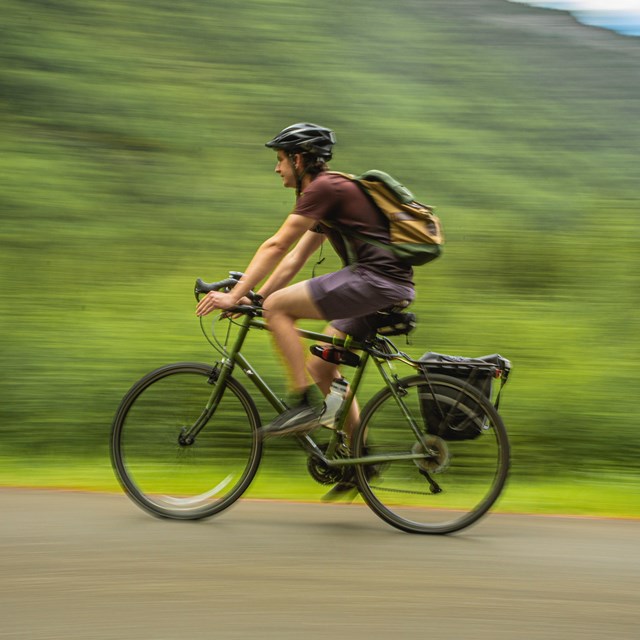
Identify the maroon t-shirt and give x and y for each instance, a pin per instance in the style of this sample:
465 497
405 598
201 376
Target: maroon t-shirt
340 202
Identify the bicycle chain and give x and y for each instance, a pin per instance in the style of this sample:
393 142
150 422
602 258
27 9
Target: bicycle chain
416 493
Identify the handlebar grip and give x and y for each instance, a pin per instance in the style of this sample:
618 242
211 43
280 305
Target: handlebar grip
206 287
202 287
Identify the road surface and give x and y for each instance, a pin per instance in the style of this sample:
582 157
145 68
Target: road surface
94 566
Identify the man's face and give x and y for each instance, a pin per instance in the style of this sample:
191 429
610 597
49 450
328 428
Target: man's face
285 170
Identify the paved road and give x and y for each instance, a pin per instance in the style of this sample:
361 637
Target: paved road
83 566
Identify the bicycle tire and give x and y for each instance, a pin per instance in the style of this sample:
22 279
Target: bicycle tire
174 480
470 474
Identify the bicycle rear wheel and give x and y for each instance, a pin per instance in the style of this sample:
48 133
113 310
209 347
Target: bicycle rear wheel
456 482
167 476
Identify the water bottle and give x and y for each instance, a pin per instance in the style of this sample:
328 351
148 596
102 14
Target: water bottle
333 402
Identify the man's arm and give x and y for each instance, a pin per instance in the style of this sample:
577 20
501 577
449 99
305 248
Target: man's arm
292 263
269 254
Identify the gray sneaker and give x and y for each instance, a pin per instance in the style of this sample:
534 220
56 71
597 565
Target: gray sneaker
299 419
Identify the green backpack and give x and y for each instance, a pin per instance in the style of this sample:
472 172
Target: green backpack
415 232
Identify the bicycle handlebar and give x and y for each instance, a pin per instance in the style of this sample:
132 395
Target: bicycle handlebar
202 287
205 287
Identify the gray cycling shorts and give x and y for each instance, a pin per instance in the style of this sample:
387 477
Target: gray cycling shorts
351 297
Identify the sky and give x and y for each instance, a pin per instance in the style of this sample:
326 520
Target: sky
589 5
618 15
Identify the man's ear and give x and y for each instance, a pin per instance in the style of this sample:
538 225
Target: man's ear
299 161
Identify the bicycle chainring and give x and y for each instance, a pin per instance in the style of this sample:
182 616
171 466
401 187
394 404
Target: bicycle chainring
321 472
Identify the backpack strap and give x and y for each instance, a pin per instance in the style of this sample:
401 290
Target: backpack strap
351 254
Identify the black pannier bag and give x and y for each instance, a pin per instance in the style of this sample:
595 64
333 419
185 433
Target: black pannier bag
448 413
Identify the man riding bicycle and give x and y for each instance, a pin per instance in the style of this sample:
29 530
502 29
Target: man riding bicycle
328 206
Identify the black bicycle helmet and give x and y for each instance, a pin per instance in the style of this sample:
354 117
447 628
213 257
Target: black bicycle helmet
305 137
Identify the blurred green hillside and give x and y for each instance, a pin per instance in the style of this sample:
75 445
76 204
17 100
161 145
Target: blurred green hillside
132 161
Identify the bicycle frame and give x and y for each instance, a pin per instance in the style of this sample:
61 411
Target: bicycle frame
233 357
416 426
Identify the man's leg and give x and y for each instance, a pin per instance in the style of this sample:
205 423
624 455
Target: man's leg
282 309
324 373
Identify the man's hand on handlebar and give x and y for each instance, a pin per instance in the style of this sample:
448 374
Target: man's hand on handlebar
218 300
227 299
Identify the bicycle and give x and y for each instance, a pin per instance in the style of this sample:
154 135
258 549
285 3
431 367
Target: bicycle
430 453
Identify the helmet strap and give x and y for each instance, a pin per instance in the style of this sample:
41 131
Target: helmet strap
298 176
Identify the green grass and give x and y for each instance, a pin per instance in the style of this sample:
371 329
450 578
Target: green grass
606 496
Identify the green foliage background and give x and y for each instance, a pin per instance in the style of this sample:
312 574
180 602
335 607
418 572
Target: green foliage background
131 161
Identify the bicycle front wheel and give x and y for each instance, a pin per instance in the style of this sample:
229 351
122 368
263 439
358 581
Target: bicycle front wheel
162 470
457 480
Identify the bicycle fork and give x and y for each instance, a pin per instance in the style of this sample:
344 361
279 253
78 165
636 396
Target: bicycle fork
217 378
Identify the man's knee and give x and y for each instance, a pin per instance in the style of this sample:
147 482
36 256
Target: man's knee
275 305
293 302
